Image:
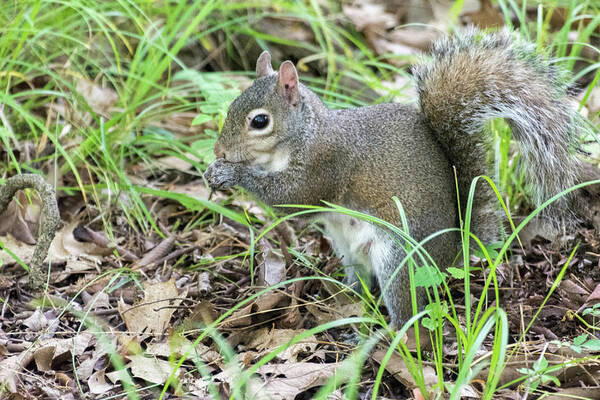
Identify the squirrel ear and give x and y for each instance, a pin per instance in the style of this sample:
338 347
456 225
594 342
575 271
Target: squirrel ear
263 65
287 83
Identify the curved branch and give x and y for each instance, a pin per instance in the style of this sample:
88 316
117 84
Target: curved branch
48 224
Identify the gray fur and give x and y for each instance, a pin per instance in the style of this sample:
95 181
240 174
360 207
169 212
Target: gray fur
474 78
360 158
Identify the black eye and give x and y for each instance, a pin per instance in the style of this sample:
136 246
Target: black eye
260 121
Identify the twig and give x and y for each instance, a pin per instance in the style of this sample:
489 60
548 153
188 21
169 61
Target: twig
48 224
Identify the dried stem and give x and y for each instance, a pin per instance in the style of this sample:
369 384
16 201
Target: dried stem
48 224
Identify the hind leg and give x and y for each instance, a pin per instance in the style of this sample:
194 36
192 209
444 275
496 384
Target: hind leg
386 257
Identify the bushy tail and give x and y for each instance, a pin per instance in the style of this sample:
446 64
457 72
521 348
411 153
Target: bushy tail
474 77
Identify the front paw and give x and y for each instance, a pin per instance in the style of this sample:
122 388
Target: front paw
221 174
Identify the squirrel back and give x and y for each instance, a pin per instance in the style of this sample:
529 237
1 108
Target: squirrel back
474 77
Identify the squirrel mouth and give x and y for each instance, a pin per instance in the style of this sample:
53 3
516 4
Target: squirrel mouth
237 158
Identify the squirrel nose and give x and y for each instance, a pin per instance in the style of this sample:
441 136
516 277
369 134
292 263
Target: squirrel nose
219 151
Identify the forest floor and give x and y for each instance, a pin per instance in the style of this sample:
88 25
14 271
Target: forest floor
200 295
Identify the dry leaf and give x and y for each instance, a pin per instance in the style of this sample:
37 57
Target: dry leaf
86 367
270 300
67 347
286 381
595 295
575 393
420 38
36 321
417 394
184 163
368 15
327 314
271 265
251 208
441 9
488 16
196 189
11 367
12 222
241 317
43 358
179 346
78 256
97 383
203 314
265 341
98 301
573 291
170 347
397 367
150 369
100 99
153 314
593 102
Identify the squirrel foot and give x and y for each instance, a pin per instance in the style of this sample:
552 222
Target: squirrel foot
221 174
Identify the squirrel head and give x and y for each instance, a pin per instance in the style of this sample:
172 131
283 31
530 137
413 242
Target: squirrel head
264 121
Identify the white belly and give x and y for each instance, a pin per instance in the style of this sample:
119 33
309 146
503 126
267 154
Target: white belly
357 242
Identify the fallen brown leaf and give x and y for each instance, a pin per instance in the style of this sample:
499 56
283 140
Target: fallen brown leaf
100 99
153 314
286 381
271 265
97 382
150 369
397 367
265 341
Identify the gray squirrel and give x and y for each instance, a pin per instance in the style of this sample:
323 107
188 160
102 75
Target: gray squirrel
281 143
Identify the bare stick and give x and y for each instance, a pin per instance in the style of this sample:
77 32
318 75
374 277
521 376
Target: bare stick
48 224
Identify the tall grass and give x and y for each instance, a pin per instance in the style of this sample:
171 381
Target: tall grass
48 47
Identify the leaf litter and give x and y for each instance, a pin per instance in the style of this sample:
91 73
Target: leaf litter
147 298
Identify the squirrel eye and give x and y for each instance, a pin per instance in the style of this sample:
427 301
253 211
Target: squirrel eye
260 121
